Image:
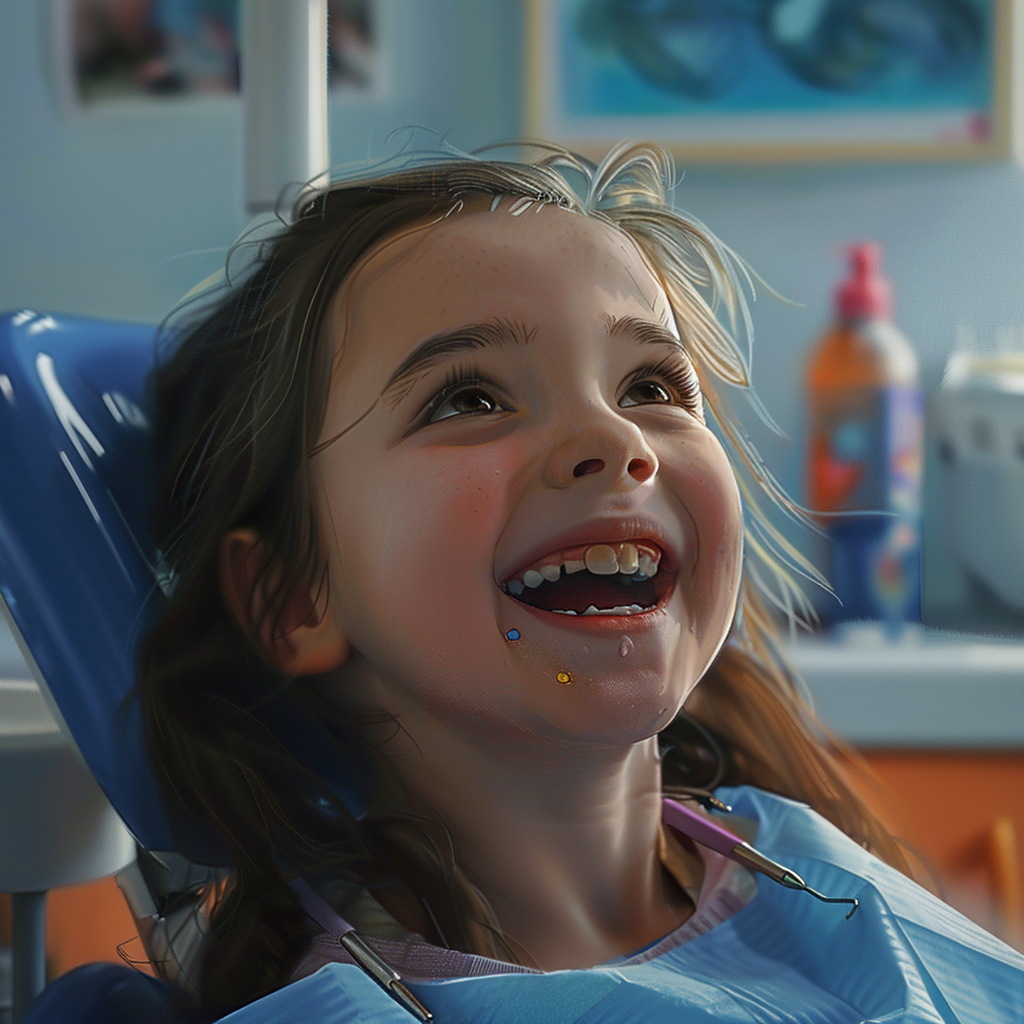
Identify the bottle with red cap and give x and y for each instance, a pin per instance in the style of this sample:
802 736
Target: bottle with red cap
865 438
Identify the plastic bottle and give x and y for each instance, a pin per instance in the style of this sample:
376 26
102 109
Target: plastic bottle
865 437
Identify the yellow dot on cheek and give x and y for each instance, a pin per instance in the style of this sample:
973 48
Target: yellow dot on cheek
565 678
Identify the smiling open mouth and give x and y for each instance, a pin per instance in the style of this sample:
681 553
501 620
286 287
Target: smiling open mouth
593 579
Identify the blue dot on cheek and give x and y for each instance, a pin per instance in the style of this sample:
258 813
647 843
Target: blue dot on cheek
512 634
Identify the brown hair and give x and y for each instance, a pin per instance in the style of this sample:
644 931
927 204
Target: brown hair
240 403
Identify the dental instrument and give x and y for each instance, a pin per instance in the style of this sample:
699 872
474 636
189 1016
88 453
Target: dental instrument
335 925
712 835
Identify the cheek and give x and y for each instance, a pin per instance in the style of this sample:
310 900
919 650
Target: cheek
415 557
437 513
704 482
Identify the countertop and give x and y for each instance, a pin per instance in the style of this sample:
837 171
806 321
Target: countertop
928 689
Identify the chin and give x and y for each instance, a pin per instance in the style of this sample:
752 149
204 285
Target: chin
617 712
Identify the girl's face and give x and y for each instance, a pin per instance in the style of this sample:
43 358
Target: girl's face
534 446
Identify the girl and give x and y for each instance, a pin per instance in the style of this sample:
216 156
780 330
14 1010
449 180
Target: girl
453 543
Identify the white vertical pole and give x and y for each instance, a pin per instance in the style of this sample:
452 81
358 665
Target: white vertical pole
284 93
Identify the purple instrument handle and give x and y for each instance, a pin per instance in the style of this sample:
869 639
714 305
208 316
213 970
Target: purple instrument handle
699 828
320 910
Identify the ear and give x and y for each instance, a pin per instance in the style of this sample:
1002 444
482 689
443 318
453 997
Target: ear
307 640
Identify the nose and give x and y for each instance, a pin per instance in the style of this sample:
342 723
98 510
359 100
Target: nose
603 444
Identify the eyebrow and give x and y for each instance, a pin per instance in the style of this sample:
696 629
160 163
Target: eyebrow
498 333
646 332
470 338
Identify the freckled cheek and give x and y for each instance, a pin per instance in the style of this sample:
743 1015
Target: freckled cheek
705 486
436 526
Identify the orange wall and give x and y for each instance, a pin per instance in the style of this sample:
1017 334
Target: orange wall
90 922
943 804
84 923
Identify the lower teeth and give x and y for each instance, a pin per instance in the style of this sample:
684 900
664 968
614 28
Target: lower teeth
631 609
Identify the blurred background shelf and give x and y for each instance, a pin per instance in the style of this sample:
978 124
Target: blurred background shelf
929 689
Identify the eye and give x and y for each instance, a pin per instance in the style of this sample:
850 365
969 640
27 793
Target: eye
462 398
672 381
645 392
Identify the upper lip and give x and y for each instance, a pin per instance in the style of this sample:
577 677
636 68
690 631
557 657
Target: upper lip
607 530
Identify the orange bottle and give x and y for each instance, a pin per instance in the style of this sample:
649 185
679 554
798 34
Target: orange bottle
865 420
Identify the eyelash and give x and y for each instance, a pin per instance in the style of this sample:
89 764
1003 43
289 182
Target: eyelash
679 377
456 379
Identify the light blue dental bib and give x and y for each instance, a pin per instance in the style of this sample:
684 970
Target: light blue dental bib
785 958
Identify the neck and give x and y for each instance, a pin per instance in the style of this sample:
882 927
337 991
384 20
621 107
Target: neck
560 838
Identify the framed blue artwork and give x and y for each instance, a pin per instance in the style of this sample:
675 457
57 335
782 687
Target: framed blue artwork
724 80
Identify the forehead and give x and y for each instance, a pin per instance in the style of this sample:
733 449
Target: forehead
544 266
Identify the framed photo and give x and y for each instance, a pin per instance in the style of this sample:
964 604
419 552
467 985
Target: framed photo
754 80
123 54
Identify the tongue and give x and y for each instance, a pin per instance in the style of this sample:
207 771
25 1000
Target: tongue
581 590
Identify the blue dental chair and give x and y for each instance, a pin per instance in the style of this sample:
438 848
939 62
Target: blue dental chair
79 580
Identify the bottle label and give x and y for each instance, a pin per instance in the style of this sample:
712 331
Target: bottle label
866 456
866 450
904 407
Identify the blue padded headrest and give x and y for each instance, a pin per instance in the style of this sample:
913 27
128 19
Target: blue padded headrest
78 571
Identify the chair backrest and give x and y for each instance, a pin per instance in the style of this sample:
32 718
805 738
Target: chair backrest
78 573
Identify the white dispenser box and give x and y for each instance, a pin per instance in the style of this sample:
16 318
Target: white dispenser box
978 421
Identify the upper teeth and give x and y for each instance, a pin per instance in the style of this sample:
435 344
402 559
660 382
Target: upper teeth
600 559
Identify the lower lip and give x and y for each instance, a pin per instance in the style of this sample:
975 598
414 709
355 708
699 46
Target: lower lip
604 623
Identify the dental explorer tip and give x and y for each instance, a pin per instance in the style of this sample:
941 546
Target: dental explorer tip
852 900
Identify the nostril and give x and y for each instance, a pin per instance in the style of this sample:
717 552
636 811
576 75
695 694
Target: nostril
588 466
639 469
